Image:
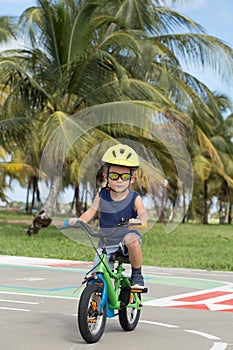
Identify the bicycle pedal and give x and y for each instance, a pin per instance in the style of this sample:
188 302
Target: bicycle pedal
139 290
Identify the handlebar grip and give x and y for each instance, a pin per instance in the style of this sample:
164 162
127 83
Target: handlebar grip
135 226
66 223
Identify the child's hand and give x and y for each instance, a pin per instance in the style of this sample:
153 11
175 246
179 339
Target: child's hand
72 221
138 224
135 221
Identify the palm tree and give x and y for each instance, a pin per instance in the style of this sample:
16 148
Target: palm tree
7 29
83 54
212 154
222 140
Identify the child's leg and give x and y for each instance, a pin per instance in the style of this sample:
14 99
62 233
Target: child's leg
134 250
133 244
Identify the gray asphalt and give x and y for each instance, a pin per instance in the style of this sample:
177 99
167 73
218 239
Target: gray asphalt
38 310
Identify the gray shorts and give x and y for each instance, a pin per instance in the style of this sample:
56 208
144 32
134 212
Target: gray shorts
112 249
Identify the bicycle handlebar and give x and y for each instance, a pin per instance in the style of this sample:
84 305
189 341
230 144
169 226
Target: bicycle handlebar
86 227
81 224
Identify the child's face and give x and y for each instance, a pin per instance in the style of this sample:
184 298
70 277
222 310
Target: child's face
119 185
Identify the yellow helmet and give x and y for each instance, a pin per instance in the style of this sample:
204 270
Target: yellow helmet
121 155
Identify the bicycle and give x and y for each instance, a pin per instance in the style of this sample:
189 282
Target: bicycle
107 291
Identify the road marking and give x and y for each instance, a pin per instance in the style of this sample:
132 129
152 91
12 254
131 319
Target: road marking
64 291
19 301
23 260
13 309
219 346
41 295
31 279
166 325
216 346
159 324
202 334
214 299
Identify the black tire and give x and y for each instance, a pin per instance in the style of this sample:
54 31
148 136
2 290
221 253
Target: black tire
91 325
129 317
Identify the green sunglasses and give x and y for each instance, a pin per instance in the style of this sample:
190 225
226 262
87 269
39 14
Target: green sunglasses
115 176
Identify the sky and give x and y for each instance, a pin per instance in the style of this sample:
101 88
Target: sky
216 16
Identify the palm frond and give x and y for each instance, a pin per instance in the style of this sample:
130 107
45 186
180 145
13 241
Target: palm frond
14 129
207 146
7 28
201 51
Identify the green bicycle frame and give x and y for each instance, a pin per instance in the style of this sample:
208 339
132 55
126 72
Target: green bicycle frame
113 291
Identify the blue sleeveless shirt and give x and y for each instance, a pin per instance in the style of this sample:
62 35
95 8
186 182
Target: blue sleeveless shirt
111 212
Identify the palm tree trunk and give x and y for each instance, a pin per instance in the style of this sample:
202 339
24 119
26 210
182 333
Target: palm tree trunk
230 214
27 198
228 205
205 203
184 204
220 212
51 201
34 180
78 203
44 217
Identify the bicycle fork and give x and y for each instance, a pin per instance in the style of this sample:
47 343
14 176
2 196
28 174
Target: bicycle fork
110 299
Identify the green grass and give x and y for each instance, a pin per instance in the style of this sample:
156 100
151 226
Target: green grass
14 215
189 246
49 243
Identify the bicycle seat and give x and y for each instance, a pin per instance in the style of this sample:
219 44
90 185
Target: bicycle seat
119 256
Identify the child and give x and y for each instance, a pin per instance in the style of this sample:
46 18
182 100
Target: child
117 201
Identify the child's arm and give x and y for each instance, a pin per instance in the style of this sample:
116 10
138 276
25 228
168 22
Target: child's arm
141 210
89 213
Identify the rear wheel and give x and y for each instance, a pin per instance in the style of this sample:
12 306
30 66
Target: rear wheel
129 316
91 323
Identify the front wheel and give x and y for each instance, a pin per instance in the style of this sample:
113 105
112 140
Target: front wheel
129 316
91 323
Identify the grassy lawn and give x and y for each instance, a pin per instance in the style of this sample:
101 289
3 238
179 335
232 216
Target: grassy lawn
189 246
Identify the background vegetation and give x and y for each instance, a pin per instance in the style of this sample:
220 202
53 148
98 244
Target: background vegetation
83 53
194 246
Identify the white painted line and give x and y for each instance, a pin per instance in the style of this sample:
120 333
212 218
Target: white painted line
202 334
216 346
31 279
19 301
29 261
219 346
219 307
12 309
146 322
40 295
159 324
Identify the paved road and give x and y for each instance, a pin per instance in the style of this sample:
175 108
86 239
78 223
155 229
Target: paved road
185 309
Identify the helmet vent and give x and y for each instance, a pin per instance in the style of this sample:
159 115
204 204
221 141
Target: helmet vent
121 155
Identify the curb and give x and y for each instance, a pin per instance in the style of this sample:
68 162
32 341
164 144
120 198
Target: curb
30 261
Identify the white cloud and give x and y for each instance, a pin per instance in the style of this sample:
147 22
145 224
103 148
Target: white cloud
194 5
188 4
